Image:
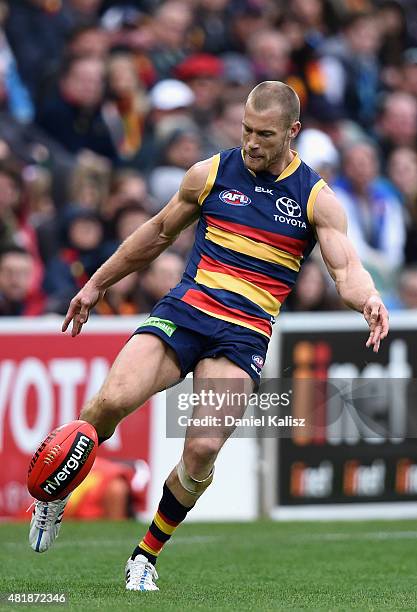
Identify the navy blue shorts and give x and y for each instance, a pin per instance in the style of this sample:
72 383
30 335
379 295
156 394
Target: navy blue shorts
194 335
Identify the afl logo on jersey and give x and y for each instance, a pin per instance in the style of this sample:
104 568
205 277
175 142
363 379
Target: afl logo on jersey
288 207
258 360
234 197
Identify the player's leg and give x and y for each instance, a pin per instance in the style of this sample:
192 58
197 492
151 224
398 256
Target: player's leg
200 452
143 367
194 473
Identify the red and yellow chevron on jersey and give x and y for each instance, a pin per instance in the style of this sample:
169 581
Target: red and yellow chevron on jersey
253 235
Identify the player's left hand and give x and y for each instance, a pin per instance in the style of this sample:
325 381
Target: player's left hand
376 316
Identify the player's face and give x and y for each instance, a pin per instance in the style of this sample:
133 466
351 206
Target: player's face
265 138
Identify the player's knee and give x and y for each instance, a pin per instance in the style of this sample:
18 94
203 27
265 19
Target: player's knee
200 452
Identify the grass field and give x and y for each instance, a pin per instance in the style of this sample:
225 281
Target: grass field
259 566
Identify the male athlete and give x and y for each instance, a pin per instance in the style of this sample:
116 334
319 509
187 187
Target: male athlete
260 211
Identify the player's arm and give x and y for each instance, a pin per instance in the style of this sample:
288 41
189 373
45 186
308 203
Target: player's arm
142 246
354 284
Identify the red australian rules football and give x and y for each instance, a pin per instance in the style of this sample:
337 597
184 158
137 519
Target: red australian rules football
62 461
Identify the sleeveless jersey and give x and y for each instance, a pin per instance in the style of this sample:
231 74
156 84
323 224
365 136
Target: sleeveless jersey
253 235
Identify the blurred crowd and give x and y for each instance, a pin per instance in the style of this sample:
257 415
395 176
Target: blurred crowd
105 104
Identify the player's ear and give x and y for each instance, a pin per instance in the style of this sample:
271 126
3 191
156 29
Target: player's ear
294 130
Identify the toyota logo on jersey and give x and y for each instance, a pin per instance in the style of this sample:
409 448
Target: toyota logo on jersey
288 207
234 197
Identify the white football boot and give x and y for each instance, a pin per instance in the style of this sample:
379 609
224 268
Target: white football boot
140 574
46 523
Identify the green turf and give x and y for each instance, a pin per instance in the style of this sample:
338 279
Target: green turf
256 566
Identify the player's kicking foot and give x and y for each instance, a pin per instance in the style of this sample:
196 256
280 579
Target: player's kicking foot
46 523
140 574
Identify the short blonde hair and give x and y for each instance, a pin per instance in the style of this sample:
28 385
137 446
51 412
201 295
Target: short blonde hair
270 94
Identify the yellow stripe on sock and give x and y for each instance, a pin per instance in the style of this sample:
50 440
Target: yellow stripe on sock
162 525
148 549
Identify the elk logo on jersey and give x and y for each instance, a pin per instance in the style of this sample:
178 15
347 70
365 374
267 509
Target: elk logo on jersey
234 197
288 207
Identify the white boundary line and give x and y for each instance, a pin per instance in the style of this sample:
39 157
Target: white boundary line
297 321
52 325
339 321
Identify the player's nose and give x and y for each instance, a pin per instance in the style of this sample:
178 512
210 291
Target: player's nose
253 144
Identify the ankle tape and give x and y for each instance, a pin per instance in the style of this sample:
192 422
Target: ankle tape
190 484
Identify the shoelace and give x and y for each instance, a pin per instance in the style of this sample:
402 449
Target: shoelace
138 569
45 519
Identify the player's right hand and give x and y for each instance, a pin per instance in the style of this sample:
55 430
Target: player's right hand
79 308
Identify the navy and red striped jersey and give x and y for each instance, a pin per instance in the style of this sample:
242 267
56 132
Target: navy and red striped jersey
253 235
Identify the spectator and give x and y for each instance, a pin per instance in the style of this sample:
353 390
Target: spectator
270 52
127 95
128 219
376 221
172 21
393 26
85 9
13 93
171 103
317 17
203 73
38 183
87 40
126 106
317 150
402 170
306 76
181 149
14 226
225 131
238 77
349 63
247 19
161 276
73 116
10 199
164 182
408 76
131 30
397 123
312 292
28 144
83 253
106 493
171 98
16 281
407 288
121 298
212 23
127 186
36 30
90 181
88 189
